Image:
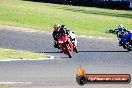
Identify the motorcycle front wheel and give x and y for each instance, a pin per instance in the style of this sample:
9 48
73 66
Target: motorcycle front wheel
68 52
129 48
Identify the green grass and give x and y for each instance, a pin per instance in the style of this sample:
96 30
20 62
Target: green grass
4 86
82 20
13 54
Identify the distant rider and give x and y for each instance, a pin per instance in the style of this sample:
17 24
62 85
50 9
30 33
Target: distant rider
120 32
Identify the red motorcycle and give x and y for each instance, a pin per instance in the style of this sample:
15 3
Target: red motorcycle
66 45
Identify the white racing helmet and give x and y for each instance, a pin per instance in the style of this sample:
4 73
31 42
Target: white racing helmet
120 26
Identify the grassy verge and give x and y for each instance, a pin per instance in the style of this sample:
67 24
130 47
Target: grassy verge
82 20
4 86
13 54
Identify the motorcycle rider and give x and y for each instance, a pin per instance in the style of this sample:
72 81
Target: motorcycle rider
58 31
120 31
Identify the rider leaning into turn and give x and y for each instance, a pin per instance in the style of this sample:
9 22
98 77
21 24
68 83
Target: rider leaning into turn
120 31
58 31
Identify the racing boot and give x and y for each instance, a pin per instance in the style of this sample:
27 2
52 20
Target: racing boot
75 46
120 43
56 45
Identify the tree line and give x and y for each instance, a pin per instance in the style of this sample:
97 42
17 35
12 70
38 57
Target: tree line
93 3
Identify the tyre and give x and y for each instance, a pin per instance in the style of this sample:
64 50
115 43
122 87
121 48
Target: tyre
81 80
124 46
129 49
129 80
68 52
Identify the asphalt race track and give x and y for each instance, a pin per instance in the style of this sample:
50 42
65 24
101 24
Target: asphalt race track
95 55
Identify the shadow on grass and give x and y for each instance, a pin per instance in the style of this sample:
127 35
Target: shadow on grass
98 12
124 15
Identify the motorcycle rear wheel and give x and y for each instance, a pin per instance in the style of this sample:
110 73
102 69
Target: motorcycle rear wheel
129 49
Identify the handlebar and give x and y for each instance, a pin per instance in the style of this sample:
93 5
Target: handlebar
109 31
